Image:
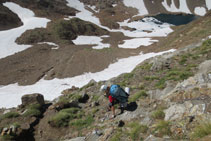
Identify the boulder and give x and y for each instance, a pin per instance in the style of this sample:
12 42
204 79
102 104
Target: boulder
32 99
83 98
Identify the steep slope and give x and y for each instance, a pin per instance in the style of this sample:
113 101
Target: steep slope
8 19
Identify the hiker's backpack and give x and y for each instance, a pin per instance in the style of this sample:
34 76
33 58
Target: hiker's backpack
117 92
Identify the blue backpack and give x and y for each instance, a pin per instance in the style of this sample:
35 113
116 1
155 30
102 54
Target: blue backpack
117 92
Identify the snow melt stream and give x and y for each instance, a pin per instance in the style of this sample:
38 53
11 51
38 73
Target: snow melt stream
8 37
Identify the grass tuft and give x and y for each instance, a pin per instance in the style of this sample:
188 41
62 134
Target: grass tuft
202 130
9 115
158 114
138 95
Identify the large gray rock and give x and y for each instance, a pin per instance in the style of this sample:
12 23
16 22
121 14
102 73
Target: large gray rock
32 99
188 108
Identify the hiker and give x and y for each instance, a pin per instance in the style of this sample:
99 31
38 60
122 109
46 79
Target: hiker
116 95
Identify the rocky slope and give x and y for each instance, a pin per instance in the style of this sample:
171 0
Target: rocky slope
170 94
8 19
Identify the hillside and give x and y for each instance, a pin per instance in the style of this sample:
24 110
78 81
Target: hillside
55 55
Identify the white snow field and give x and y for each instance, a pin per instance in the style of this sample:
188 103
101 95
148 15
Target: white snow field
208 4
201 11
91 40
7 38
172 8
138 4
156 30
10 95
137 42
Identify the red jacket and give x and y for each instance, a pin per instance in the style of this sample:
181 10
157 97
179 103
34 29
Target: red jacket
111 99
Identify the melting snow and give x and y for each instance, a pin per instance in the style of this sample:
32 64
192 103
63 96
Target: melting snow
138 4
8 37
51 44
91 40
137 42
172 8
201 11
156 28
83 14
10 95
208 4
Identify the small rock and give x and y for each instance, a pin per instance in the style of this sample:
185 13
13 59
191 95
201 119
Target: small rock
121 123
84 98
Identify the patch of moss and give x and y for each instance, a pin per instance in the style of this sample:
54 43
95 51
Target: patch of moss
151 78
136 129
201 130
82 123
9 115
33 110
161 84
146 66
116 137
158 114
138 95
163 128
63 117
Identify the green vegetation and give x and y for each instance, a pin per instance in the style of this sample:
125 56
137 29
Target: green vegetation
128 76
158 114
151 78
202 130
68 30
6 138
117 135
138 95
95 98
9 115
33 110
146 66
163 128
161 84
82 123
33 36
63 117
136 129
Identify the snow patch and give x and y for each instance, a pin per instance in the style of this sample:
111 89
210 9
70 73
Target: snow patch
201 11
172 8
91 40
7 45
137 42
83 14
51 44
155 28
208 4
10 95
138 4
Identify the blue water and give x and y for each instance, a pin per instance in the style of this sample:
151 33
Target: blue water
178 19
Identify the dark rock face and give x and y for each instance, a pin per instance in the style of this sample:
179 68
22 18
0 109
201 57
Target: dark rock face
32 99
83 98
8 19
